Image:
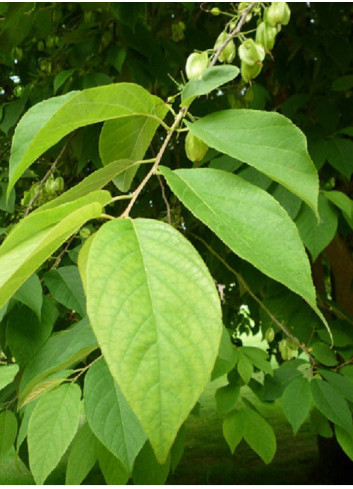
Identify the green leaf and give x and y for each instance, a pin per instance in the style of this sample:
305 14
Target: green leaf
52 426
61 78
233 429
290 202
343 202
245 367
331 404
25 334
37 236
267 141
59 352
212 78
22 432
147 469
317 236
343 83
249 221
344 385
324 354
49 121
7 374
227 356
177 449
156 314
258 357
65 286
226 398
259 435
110 417
345 440
129 138
320 424
112 469
296 402
82 456
339 155
8 431
30 294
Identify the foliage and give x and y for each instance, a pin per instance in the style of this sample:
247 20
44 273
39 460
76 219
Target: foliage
226 212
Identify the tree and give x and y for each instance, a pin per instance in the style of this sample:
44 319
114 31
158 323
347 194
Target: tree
118 306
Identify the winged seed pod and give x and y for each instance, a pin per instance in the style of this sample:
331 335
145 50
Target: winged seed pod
228 52
248 72
266 36
195 148
251 52
196 64
278 13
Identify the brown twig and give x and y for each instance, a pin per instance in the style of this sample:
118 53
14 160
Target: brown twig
60 257
164 197
261 304
84 369
47 175
156 163
233 33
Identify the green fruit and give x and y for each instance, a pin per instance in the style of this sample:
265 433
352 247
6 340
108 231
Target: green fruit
278 13
85 232
59 184
291 344
18 91
196 64
45 65
215 11
266 36
195 148
40 46
50 186
251 52
228 52
248 73
270 335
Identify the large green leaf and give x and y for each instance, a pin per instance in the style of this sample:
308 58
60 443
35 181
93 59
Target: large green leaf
147 470
211 78
345 440
266 140
30 294
317 236
331 404
25 334
249 221
82 456
7 374
112 469
65 285
296 402
49 121
343 202
37 236
110 417
259 435
129 138
59 352
233 425
156 314
52 426
8 431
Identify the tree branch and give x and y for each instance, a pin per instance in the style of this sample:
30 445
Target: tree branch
233 33
156 163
